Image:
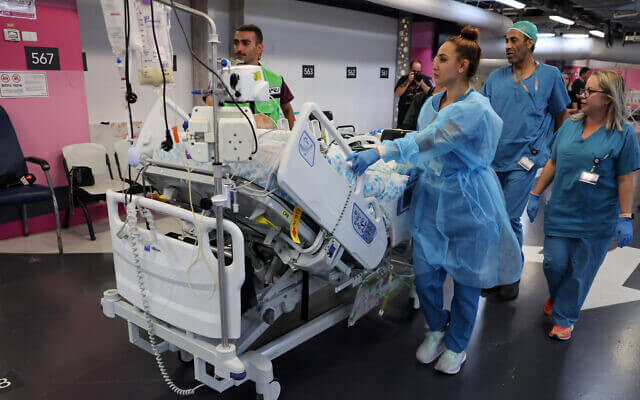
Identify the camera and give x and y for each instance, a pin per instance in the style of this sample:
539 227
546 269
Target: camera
418 77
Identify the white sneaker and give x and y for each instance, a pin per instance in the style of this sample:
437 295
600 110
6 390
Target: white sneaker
431 348
450 362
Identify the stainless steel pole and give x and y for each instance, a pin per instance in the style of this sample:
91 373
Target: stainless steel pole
217 172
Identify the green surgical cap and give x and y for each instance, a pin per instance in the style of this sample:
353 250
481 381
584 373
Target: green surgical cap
526 28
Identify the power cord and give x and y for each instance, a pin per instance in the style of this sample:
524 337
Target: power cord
130 96
195 57
167 145
134 240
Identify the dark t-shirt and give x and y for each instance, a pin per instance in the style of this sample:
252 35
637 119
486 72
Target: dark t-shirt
407 98
285 93
577 85
410 121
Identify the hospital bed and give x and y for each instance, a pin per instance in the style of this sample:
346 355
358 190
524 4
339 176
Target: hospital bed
296 225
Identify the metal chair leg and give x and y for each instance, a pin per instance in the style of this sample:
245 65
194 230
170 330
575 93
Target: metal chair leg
58 230
67 213
92 235
25 218
54 200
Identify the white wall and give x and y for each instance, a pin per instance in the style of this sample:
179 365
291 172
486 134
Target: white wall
297 33
102 80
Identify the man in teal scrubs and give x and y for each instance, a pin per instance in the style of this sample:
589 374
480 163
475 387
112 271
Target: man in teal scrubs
531 98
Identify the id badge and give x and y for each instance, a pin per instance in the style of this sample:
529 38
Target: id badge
526 163
589 177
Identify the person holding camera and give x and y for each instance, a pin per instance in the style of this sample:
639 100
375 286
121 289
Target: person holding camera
409 86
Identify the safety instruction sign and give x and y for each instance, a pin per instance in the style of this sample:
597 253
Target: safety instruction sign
23 84
18 9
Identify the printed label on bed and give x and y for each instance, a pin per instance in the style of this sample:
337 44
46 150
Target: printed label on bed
363 226
307 148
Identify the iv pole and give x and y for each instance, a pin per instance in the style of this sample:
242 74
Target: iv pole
218 173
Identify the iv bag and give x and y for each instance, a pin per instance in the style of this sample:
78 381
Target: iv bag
149 71
113 12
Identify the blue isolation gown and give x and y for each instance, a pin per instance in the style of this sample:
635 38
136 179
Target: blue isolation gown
457 216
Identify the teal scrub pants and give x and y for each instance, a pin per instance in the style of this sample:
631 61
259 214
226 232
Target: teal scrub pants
570 265
464 307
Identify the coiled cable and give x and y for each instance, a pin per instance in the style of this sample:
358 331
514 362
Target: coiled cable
134 236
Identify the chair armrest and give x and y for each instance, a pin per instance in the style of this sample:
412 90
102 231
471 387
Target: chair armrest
42 162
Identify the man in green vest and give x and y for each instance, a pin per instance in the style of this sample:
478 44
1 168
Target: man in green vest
248 48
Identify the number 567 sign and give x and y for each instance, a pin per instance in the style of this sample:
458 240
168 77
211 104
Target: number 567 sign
42 58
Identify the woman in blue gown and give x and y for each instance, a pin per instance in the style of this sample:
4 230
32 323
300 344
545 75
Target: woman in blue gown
457 217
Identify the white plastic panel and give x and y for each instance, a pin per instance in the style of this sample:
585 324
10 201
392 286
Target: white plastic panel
165 267
321 192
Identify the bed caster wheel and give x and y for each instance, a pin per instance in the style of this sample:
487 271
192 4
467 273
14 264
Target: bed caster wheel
185 357
270 391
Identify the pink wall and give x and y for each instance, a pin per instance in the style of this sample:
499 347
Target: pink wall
631 76
45 125
633 79
421 43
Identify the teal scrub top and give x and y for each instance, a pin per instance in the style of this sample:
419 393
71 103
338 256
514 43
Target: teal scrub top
578 209
528 115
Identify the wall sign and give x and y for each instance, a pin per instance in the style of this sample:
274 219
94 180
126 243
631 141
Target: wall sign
18 9
46 58
23 84
384 73
352 72
308 71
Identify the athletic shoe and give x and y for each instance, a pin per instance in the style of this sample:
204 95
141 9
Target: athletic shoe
509 292
561 333
450 362
431 348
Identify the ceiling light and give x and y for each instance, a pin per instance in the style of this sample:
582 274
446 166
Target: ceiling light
512 3
562 20
575 35
546 34
599 34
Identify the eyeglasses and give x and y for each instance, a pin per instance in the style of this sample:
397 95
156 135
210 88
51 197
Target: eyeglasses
588 92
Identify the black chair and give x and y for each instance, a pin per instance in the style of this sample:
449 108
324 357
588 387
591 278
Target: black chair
13 164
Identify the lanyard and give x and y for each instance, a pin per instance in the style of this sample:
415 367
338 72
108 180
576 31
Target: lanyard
521 82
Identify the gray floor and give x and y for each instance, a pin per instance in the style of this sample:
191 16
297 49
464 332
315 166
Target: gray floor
56 344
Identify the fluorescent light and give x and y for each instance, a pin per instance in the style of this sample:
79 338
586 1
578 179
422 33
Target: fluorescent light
562 20
599 34
575 35
512 3
546 34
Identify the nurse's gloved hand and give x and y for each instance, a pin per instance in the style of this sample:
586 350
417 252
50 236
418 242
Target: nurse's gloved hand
624 232
533 206
413 175
362 160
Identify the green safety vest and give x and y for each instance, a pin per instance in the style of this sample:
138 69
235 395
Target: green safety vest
270 107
